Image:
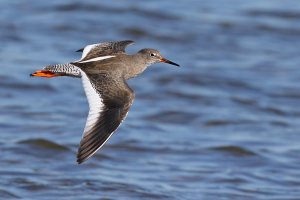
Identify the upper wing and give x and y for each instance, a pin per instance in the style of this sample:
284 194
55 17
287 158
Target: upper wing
109 101
103 50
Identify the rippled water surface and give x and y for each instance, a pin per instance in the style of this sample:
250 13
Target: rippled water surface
226 125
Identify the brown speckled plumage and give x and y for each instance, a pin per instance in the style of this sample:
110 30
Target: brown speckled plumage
104 69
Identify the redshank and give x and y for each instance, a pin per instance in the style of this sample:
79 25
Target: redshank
104 69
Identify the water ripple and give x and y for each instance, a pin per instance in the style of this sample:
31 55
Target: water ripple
44 144
8 195
234 150
172 117
283 14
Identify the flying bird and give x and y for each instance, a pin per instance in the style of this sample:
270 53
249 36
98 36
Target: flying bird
104 69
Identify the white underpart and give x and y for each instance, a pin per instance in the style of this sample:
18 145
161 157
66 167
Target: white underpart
95 103
96 59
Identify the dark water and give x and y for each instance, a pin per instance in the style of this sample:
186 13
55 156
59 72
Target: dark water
224 126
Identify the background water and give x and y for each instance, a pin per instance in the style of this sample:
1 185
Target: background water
223 126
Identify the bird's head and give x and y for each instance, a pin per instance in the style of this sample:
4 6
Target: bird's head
152 56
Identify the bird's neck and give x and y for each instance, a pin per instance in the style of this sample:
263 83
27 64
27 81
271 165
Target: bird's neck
137 67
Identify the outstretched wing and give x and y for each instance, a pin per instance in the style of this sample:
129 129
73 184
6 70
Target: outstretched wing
109 101
103 50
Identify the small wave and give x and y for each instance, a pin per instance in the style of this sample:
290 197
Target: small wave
227 24
279 123
176 94
30 185
25 86
75 7
152 147
275 111
135 190
8 195
275 29
289 95
244 101
43 143
239 84
283 14
131 145
234 150
173 117
223 122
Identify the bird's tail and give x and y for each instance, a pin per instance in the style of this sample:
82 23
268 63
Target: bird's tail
58 70
46 74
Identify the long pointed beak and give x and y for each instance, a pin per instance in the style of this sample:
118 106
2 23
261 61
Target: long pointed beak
168 61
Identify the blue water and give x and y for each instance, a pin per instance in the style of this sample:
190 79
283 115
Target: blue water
226 125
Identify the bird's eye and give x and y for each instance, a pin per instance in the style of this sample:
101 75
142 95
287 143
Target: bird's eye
152 54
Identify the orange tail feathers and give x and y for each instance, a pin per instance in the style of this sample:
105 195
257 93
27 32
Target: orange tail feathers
46 74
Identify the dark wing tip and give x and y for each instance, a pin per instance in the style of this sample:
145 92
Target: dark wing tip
83 156
128 42
123 43
80 50
80 160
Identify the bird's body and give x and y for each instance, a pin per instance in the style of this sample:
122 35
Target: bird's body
104 69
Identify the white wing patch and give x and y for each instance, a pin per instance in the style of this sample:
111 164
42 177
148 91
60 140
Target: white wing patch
96 59
87 49
95 103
